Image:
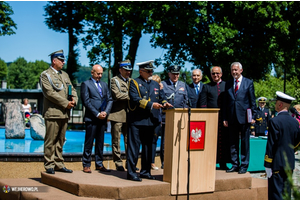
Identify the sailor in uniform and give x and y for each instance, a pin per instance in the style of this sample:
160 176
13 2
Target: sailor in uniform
283 140
146 99
262 118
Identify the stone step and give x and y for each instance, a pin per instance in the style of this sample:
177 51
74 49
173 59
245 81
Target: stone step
113 185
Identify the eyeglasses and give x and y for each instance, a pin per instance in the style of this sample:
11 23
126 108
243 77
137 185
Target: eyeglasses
215 73
148 71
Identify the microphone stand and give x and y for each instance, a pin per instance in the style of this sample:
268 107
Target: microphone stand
189 136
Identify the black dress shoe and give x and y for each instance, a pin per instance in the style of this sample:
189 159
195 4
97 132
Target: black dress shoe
134 178
65 170
120 168
50 171
242 171
147 176
233 169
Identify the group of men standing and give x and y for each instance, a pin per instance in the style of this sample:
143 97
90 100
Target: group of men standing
133 106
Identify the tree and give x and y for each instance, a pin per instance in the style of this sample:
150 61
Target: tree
67 17
7 25
219 33
24 75
3 70
110 24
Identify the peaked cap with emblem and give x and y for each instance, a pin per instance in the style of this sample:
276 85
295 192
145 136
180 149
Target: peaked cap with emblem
57 54
284 97
175 69
126 64
146 65
262 99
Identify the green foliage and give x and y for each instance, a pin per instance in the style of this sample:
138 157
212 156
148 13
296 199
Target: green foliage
3 70
268 87
67 17
24 75
7 25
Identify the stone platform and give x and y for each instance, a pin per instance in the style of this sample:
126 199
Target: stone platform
114 185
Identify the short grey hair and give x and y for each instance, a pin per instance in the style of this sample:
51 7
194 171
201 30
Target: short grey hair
199 71
236 63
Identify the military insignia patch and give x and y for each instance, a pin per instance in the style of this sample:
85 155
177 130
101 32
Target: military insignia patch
182 88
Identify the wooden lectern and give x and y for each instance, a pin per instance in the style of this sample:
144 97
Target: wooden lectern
202 160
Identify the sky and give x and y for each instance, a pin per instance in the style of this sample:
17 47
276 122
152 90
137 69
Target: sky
35 41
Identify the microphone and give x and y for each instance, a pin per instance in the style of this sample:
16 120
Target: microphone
294 111
184 76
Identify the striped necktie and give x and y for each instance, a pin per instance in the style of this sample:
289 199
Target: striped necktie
99 88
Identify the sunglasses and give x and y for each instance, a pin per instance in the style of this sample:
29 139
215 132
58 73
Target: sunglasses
215 73
148 71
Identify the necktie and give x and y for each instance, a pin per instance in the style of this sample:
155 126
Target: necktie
197 89
236 86
99 88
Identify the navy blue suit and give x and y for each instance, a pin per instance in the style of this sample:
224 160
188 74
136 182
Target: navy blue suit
95 127
193 96
235 112
142 120
283 137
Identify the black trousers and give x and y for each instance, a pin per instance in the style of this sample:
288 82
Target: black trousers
157 133
94 131
138 135
278 185
234 130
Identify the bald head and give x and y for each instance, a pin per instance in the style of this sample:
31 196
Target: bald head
97 72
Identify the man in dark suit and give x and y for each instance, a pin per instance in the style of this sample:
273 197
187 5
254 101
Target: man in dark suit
283 139
146 99
96 99
239 100
212 96
195 88
262 118
56 84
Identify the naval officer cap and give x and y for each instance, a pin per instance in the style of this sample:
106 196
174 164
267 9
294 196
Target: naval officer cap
146 65
58 54
126 64
284 97
262 99
175 69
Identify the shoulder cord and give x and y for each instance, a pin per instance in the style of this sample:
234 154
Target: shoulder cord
137 87
117 83
50 80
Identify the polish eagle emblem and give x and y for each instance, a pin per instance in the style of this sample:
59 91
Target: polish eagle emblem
196 135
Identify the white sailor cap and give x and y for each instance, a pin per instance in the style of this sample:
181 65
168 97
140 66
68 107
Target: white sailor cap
284 97
58 54
262 99
146 65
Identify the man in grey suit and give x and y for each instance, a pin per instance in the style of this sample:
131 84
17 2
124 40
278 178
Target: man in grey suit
117 116
56 86
96 99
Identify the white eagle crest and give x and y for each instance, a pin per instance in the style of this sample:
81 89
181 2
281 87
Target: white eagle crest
196 135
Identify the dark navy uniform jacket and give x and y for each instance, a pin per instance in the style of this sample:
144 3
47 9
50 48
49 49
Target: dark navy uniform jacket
283 138
177 97
142 96
262 119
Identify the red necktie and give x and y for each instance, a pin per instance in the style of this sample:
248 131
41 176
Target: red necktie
236 86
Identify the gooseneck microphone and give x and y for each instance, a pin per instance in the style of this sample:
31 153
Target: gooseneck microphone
184 77
294 111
